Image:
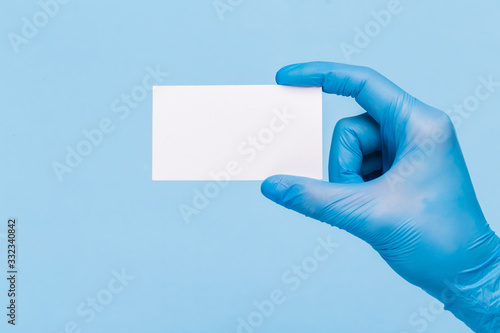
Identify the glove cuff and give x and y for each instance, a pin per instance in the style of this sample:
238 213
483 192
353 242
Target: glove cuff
474 296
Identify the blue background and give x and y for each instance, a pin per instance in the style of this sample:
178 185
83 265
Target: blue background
108 213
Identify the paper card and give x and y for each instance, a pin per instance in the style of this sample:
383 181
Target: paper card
236 132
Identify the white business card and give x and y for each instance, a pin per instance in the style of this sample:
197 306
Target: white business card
236 132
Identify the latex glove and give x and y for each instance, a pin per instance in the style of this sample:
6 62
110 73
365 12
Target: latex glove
421 214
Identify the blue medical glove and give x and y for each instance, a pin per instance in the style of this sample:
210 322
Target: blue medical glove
398 180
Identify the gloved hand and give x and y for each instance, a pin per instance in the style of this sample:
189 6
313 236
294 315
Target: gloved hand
398 181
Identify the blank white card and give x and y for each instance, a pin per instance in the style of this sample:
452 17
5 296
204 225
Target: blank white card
236 132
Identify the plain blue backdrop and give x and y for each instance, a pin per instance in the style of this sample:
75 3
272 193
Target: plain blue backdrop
107 214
